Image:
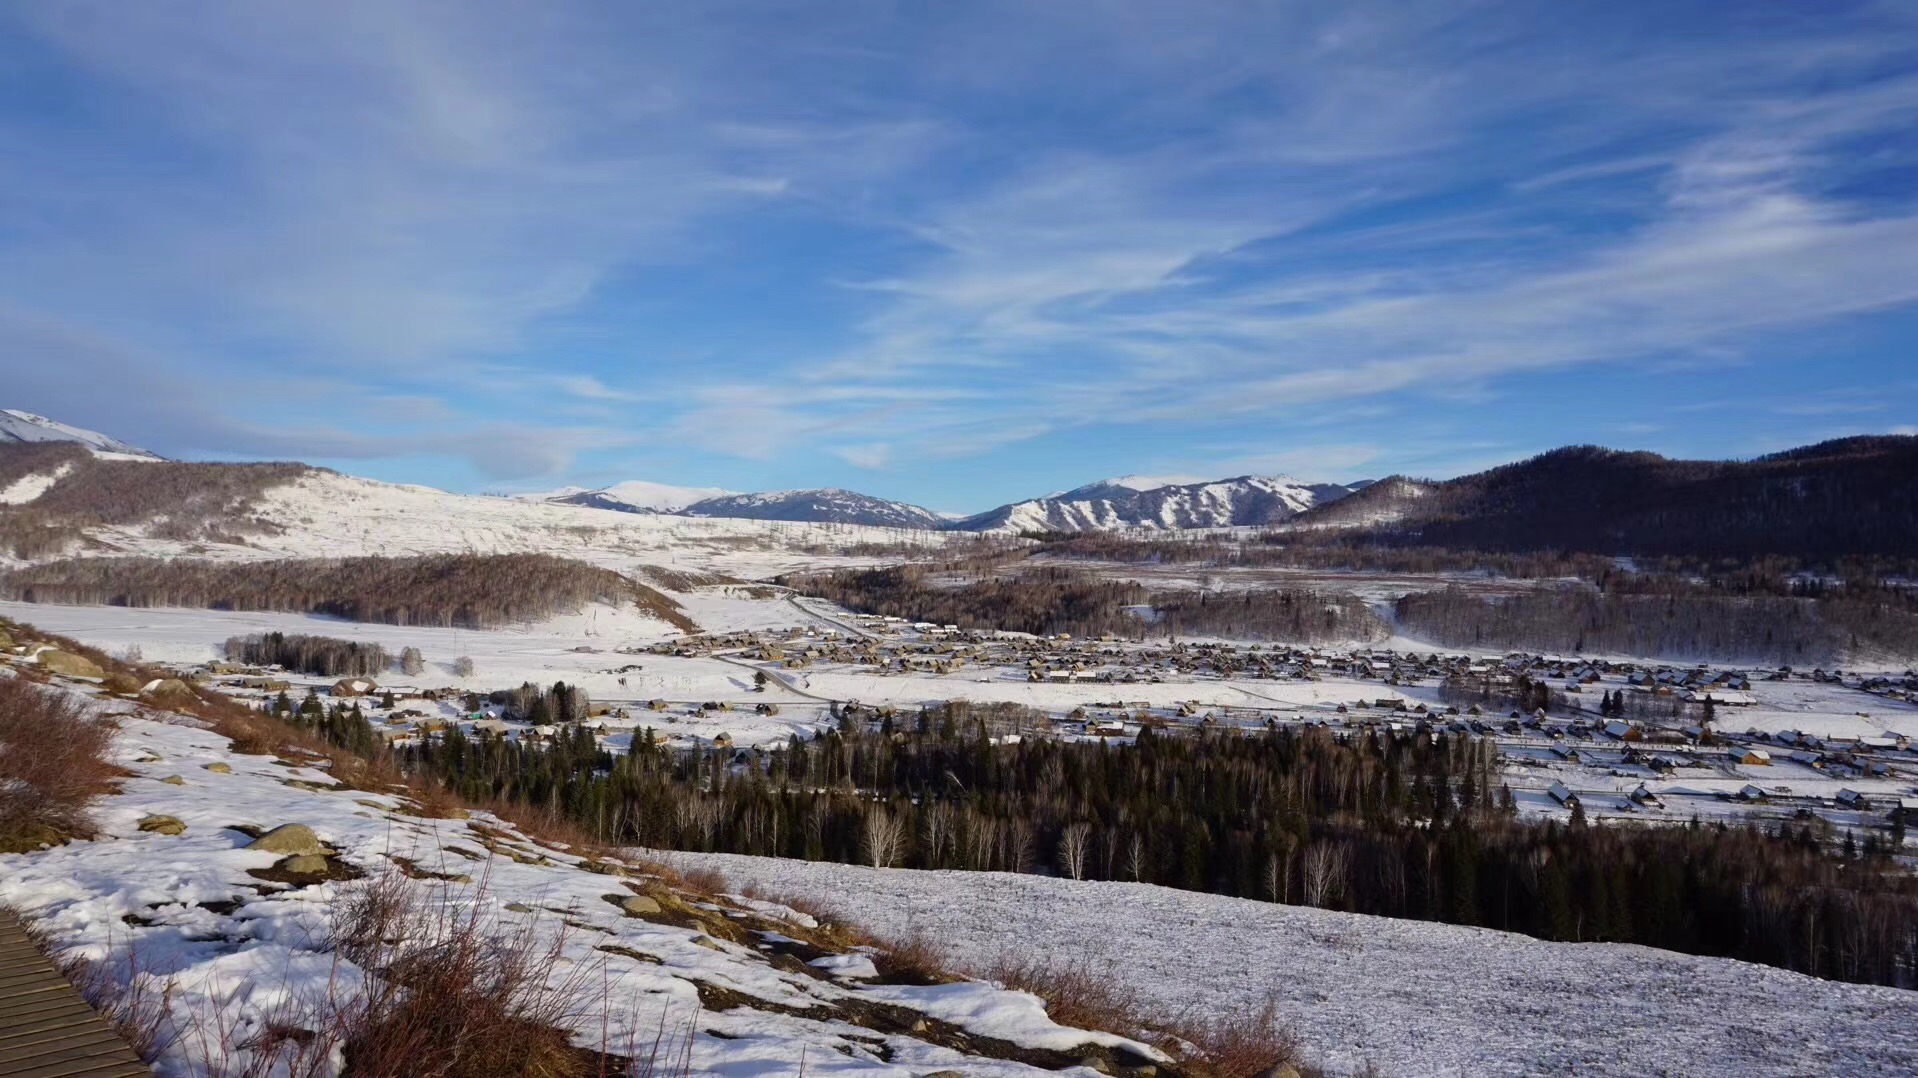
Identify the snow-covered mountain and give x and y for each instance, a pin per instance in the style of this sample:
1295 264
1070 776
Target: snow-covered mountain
1142 502
17 426
637 496
828 506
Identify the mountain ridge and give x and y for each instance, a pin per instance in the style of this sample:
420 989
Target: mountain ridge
19 428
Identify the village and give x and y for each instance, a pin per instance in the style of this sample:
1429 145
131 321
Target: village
1612 739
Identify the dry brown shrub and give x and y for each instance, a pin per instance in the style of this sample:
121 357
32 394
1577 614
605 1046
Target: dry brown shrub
1241 1045
912 959
460 995
52 764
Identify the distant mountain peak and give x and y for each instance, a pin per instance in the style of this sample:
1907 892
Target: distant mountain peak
17 427
1148 502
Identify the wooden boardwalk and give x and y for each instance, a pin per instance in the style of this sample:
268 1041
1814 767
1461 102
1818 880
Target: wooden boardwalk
46 1029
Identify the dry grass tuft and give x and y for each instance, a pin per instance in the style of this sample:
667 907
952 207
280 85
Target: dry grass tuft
1076 993
706 881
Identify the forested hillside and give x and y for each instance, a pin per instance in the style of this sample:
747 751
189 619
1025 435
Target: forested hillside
1854 496
1057 599
465 590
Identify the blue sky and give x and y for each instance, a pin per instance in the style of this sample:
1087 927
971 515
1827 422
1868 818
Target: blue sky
957 254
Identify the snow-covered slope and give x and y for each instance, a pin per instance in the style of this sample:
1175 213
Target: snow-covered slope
1134 502
17 426
1410 998
828 506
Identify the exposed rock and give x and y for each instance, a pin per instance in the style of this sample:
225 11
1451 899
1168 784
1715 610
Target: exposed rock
5 640
303 864
219 768
707 942
290 838
68 664
518 907
174 780
124 684
165 825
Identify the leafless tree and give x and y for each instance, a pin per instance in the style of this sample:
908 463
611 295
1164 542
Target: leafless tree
885 839
463 666
1074 841
1322 873
412 663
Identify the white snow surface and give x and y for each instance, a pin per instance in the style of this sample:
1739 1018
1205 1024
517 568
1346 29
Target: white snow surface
18 426
233 970
1409 997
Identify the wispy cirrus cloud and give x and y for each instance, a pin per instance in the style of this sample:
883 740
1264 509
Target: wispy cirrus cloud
765 241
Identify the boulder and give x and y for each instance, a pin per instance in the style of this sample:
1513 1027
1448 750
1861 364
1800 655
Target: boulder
165 825
219 768
638 905
166 689
289 838
304 864
174 780
5 640
67 664
124 684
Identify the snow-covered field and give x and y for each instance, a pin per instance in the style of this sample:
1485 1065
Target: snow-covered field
1408 997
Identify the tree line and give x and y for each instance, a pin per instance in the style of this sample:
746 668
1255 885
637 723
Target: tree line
321 656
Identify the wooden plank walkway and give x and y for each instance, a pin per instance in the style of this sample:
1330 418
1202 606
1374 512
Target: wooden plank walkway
46 1029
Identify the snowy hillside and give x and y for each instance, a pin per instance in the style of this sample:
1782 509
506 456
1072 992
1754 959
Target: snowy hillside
1374 505
219 896
17 426
1135 502
827 506
325 514
1408 997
